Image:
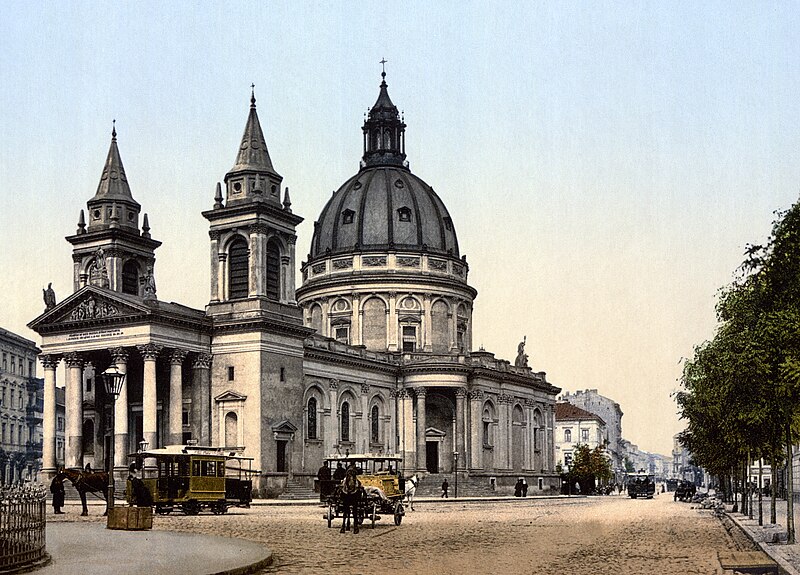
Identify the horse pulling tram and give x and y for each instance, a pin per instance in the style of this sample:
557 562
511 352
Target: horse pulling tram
381 490
192 478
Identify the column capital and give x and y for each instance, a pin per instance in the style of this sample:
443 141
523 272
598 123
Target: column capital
476 394
202 361
150 351
421 391
73 359
259 229
461 392
49 360
119 354
214 235
177 356
504 398
333 384
364 388
530 402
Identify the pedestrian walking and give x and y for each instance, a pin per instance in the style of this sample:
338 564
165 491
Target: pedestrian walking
445 487
57 489
524 487
518 488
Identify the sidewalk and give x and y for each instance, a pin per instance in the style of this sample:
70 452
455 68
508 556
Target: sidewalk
91 549
770 538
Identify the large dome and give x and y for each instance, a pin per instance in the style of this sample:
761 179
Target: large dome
384 208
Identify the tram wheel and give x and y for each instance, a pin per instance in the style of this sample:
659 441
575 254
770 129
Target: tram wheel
191 507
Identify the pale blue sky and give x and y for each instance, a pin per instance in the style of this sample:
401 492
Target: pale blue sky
605 163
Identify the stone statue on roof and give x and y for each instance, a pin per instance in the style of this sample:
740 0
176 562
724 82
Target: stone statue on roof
522 357
49 297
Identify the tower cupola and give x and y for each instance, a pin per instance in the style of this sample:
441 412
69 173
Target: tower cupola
384 132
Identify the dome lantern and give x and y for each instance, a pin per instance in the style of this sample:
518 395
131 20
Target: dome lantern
384 132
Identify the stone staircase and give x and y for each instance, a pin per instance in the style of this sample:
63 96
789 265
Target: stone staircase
296 490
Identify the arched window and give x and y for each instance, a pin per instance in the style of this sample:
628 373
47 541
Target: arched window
130 277
440 327
345 421
488 417
273 270
567 436
316 318
374 435
231 429
312 418
374 324
239 269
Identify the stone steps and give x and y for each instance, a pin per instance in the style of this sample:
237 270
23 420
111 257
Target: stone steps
296 490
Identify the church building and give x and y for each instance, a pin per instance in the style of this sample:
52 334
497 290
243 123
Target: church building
372 353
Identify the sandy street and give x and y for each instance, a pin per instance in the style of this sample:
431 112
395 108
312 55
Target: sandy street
613 535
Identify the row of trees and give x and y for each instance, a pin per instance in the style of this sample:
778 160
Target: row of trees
741 390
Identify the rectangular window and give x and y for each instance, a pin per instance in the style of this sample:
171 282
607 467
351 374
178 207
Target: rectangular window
585 435
89 383
342 334
409 338
31 371
3 397
185 417
21 399
13 365
5 362
230 373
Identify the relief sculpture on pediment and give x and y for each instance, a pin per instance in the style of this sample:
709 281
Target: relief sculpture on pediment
92 309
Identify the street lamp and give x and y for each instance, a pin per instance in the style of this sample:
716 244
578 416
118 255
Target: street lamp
113 379
455 472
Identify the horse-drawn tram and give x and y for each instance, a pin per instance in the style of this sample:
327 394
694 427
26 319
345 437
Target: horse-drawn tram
379 488
192 478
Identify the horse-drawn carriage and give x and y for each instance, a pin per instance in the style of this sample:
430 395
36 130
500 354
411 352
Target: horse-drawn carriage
641 485
191 478
381 489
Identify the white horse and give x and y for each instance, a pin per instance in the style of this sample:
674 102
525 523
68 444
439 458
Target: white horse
411 488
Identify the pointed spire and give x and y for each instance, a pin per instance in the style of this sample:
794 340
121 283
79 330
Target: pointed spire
287 202
145 227
81 224
253 153
113 182
218 197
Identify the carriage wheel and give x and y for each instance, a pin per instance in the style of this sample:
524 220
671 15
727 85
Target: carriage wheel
191 507
398 514
331 514
374 514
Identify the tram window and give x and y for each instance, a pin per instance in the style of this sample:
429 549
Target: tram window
183 467
211 469
195 468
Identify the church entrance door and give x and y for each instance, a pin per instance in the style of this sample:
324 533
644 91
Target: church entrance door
281 463
432 456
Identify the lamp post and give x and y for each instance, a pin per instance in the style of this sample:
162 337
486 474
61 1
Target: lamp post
113 379
455 472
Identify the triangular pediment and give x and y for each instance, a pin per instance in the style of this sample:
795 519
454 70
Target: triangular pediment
229 395
284 426
433 432
89 304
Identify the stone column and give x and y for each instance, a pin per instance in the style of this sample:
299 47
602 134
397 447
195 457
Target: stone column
365 428
356 317
422 447
408 445
425 336
222 274
324 305
175 435
149 400
215 268
549 446
476 429
119 357
332 427
393 426
461 417
290 287
501 449
201 399
391 324
73 409
49 463
256 260
286 273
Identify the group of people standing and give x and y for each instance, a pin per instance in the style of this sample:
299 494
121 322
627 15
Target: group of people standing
521 488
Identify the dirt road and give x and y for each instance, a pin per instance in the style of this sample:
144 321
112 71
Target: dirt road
613 535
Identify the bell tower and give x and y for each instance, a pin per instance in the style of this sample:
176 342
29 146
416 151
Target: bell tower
253 234
112 251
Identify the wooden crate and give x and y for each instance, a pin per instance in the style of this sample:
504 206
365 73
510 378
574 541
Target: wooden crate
130 518
747 562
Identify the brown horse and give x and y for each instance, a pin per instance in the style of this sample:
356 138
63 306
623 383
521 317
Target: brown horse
351 493
88 482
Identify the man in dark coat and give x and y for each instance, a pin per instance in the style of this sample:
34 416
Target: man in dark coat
339 473
445 487
57 489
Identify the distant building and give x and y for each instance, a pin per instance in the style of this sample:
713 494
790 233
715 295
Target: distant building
683 467
610 411
576 426
21 407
